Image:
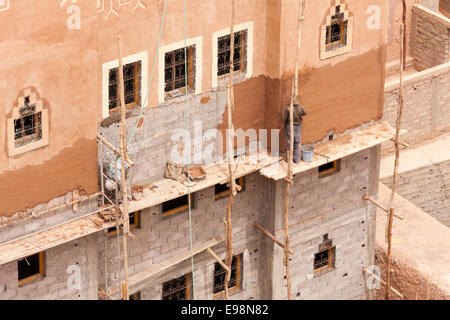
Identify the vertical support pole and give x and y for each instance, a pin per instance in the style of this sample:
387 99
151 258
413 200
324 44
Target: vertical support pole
388 235
230 151
123 148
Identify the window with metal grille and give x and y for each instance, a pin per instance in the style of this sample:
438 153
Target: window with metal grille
28 127
132 86
336 32
135 222
324 260
240 53
30 268
220 275
177 289
175 64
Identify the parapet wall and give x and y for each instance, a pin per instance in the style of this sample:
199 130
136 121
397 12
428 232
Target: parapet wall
426 112
430 34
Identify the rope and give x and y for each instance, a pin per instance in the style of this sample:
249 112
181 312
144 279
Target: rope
143 106
186 118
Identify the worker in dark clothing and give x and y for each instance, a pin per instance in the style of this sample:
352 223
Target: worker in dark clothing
299 112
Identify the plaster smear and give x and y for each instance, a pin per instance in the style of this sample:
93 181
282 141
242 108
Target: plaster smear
73 168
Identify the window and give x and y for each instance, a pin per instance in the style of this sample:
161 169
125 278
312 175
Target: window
177 289
132 86
235 279
324 260
30 268
222 190
337 33
329 168
175 63
135 222
240 53
27 128
176 205
135 296
243 53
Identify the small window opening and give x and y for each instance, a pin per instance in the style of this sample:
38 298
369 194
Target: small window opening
177 289
30 268
135 222
235 279
176 205
222 190
329 167
324 260
336 32
135 296
28 127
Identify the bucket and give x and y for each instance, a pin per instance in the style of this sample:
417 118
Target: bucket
307 153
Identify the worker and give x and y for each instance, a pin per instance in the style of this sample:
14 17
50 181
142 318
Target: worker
299 112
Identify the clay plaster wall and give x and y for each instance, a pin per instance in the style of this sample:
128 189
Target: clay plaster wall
65 66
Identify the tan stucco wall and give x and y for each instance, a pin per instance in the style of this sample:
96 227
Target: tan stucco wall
65 67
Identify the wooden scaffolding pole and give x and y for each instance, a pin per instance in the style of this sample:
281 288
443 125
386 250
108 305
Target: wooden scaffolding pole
123 156
397 156
230 148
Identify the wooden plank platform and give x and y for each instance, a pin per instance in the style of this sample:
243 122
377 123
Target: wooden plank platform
168 189
156 269
52 237
338 148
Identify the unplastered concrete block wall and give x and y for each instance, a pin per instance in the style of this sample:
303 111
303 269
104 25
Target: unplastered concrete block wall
426 106
26 223
331 205
160 238
158 136
430 37
428 188
61 265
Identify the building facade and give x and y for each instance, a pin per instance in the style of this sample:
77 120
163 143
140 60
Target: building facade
59 91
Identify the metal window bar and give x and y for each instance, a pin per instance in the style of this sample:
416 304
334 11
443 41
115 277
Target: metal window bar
336 32
132 85
220 275
28 127
240 53
176 289
175 73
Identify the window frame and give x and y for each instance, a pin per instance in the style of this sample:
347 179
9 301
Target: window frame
242 59
240 182
107 66
238 286
198 42
27 143
137 94
41 272
325 245
325 51
180 208
336 168
191 52
220 33
135 225
188 281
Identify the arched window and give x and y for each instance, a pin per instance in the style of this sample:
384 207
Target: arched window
337 33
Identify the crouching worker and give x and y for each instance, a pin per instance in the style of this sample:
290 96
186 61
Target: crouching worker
299 112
